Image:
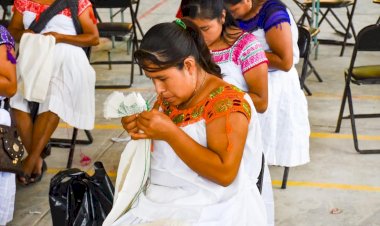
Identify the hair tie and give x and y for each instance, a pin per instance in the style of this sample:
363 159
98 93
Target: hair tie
180 23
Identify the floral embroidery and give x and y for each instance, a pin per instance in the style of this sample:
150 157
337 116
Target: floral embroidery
221 101
216 92
178 118
37 8
246 52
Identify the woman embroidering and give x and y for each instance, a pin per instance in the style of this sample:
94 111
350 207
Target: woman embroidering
203 172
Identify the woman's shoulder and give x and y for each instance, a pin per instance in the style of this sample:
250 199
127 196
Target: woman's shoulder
245 40
225 100
272 13
5 37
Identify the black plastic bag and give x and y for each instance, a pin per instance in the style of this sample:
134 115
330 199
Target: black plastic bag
76 198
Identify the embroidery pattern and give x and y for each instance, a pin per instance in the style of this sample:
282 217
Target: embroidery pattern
37 8
246 52
221 101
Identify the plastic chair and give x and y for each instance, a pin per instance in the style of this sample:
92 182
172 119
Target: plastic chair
329 6
367 40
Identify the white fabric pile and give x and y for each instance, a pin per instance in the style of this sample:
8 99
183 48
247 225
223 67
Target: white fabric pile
134 162
35 65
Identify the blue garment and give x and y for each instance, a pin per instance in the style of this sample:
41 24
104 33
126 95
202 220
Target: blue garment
271 14
7 39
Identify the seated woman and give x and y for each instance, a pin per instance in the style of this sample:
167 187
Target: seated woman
238 53
8 86
71 90
285 124
241 58
203 172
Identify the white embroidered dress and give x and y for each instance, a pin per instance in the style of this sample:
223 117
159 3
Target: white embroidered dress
285 124
177 193
245 54
71 94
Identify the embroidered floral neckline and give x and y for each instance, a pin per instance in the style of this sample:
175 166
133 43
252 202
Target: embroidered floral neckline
220 101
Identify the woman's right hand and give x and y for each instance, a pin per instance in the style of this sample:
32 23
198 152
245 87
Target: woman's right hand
130 123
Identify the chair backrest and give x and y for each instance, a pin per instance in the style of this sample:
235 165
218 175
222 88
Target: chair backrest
111 3
303 42
369 38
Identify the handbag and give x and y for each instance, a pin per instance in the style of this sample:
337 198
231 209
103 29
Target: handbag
11 150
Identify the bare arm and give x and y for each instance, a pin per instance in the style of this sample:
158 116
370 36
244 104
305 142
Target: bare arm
90 36
257 81
213 162
279 39
16 26
8 82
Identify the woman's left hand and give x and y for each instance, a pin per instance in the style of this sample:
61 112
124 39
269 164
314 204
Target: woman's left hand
155 125
56 35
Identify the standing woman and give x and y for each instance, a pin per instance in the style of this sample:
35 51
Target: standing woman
71 92
285 124
8 86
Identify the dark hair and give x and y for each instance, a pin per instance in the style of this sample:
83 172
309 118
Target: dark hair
211 9
167 45
232 2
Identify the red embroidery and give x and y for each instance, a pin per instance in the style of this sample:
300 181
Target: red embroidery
37 8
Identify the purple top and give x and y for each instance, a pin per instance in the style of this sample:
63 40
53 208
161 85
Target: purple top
7 39
271 14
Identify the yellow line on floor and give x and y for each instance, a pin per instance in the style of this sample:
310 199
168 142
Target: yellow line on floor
339 96
97 126
312 135
278 183
342 136
328 186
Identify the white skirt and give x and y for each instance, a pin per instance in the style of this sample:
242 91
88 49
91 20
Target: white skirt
71 93
7 197
285 124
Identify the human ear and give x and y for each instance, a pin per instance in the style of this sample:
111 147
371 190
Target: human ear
189 65
223 16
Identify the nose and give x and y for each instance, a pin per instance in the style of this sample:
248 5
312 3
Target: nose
159 86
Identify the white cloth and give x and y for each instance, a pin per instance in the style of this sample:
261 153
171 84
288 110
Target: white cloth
232 73
71 93
285 124
132 174
7 182
35 65
178 193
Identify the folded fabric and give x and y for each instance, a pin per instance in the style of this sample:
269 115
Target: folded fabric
132 175
134 164
117 105
35 65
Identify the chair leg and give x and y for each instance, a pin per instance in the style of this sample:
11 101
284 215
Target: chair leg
72 148
349 25
307 90
312 68
341 111
70 143
285 178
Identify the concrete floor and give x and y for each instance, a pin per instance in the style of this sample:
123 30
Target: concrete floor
336 177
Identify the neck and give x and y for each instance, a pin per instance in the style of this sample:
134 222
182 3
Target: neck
255 9
195 93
